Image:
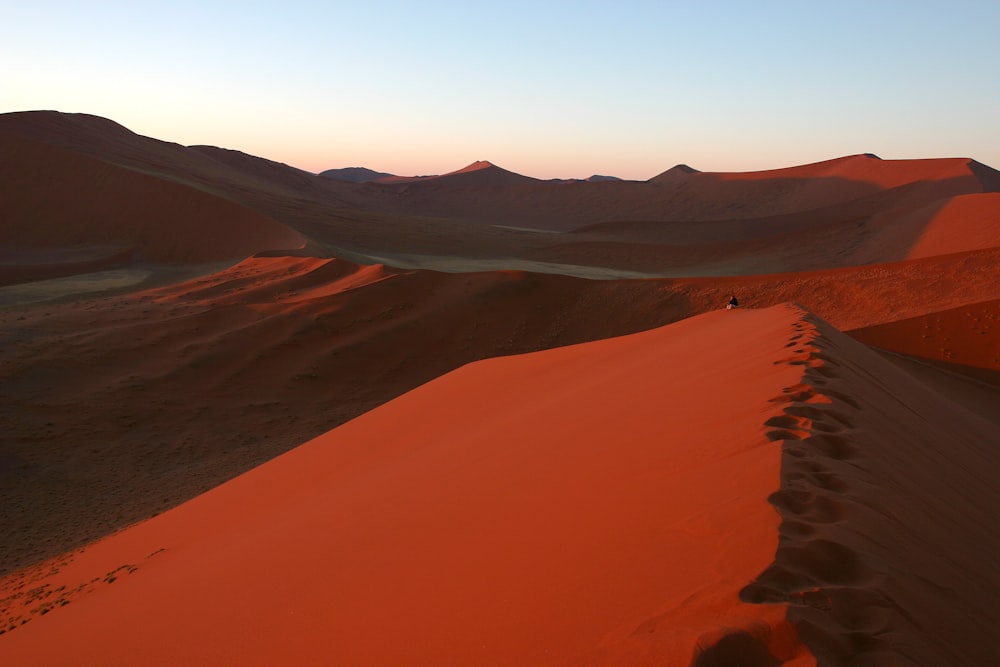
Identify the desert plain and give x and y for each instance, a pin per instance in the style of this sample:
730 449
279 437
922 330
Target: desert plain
253 415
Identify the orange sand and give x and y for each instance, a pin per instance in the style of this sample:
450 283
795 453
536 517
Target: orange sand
525 510
748 486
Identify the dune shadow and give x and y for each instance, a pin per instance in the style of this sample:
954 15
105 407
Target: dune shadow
736 648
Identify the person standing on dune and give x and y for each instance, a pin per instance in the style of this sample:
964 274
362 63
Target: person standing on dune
732 302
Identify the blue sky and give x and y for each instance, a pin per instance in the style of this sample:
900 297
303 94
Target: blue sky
547 89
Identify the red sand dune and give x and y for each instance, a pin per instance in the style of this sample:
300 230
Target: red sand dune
57 198
481 173
477 174
952 225
526 510
277 349
605 503
280 349
729 195
843 212
686 196
965 339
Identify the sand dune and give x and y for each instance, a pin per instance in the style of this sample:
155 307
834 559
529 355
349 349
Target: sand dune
688 196
843 212
284 348
279 350
962 339
588 505
560 500
887 555
478 174
951 225
749 485
58 199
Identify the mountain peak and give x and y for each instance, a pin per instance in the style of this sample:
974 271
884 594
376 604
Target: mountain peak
478 165
676 172
482 172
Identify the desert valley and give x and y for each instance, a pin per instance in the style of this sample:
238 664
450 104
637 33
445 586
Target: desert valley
253 415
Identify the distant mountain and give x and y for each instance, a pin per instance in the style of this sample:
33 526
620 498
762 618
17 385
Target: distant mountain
482 172
485 173
354 174
479 173
596 178
675 172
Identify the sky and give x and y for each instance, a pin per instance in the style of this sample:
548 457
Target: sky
548 89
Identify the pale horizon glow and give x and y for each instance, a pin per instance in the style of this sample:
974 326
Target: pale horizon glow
550 90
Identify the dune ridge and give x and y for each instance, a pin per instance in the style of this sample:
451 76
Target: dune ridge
875 535
285 348
961 339
844 445
531 534
863 205
64 199
514 455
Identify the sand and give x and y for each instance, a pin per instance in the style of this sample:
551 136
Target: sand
561 501
532 435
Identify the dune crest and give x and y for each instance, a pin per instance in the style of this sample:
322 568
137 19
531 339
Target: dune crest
872 531
588 505
560 500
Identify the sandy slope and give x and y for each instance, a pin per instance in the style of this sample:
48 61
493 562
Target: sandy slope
526 510
962 339
97 394
118 408
55 198
102 430
684 197
842 212
886 503
595 504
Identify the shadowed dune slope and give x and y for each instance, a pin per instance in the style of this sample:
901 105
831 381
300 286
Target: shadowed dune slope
910 222
98 394
535 509
206 167
55 199
952 225
888 551
263 185
729 195
685 196
964 339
